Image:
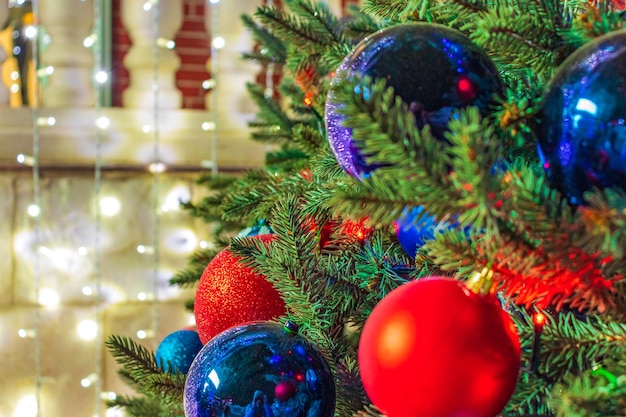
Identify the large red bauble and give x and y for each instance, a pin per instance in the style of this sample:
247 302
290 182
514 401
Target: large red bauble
432 348
231 293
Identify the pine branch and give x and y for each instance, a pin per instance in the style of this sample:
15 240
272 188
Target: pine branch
138 406
134 358
271 47
169 386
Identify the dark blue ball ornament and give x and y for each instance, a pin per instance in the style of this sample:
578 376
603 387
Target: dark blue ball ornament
582 130
178 349
432 68
415 227
238 371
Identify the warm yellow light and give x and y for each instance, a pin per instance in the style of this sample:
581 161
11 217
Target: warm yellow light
46 121
87 329
209 84
203 244
30 31
27 333
15 88
90 40
15 75
166 43
115 412
25 159
146 128
89 380
206 126
103 122
87 290
82 251
34 210
219 42
26 407
145 334
156 167
110 206
48 297
101 77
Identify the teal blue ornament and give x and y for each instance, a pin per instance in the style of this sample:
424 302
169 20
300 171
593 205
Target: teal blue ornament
178 350
261 228
582 130
259 369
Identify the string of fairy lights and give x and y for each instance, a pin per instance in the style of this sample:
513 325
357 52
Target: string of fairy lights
91 327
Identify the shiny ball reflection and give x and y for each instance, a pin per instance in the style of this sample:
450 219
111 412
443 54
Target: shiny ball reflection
240 371
582 130
432 68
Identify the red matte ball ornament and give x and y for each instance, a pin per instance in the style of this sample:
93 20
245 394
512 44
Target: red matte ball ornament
231 293
433 348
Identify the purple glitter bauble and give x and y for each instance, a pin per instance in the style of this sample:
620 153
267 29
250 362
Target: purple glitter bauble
432 68
238 371
582 130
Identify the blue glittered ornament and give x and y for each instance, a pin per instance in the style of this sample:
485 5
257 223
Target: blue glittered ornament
582 130
415 227
178 349
432 68
261 228
238 370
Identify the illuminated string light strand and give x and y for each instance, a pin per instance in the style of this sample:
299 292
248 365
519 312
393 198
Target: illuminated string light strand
97 257
216 44
156 167
36 219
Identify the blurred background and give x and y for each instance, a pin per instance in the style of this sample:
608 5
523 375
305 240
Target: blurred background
111 110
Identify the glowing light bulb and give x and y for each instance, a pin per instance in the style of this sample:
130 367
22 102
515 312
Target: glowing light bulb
142 296
87 329
27 333
46 121
33 210
209 84
15 75
89 380
207 126
30 32
145 334
110 206
146 128
203 244
15 88
166 43
26 407
90 40
101 77
219 42
214 1
143 249
156 167
87 290
25 159
103 122
82 251
48 297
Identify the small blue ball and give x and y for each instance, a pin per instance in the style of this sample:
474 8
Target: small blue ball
178 349
415 227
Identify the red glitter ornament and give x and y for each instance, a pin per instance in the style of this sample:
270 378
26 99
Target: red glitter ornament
433 348
230 293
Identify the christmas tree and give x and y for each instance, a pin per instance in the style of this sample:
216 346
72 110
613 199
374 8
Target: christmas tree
439 171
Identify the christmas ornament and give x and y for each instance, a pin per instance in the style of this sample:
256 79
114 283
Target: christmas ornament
230 293
458 74
178 350
415 227
582 134
261 228
243 367
433 348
